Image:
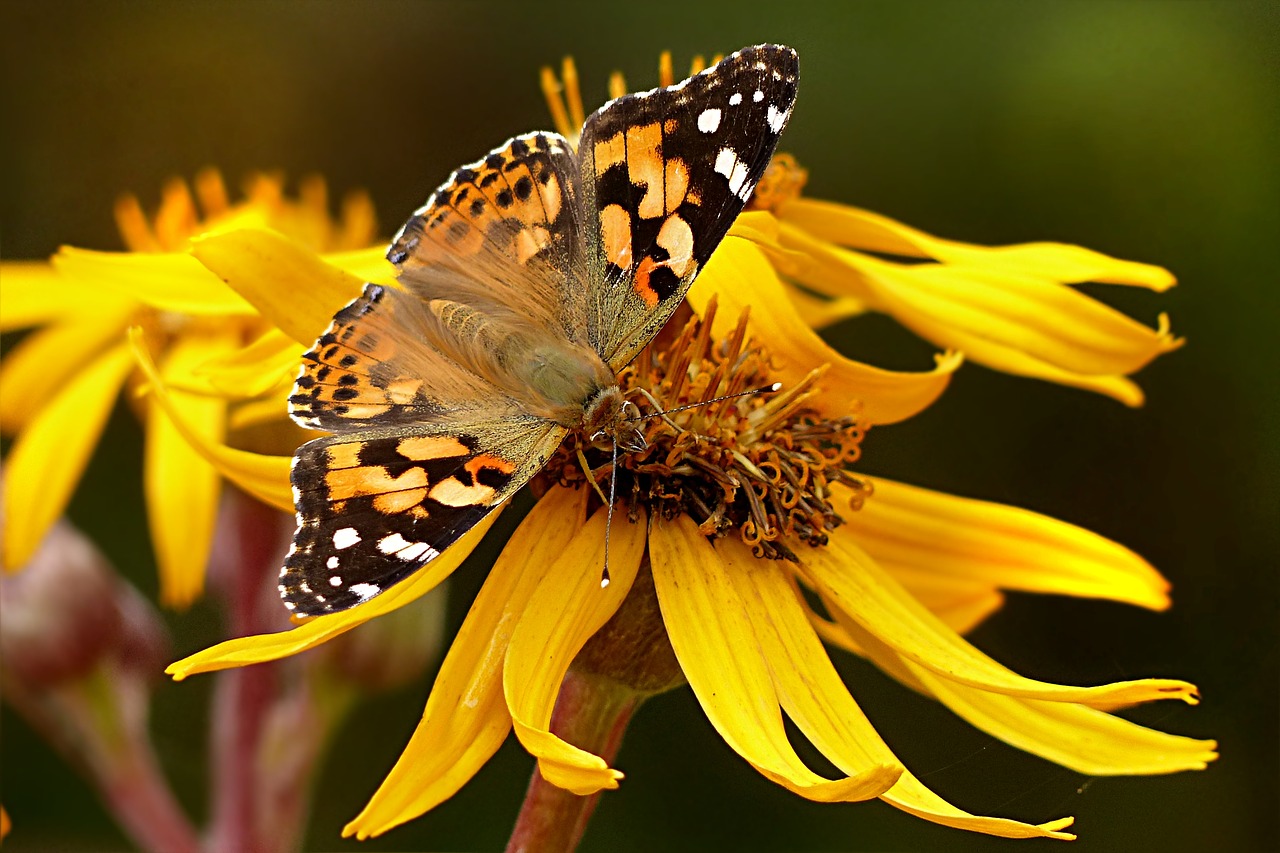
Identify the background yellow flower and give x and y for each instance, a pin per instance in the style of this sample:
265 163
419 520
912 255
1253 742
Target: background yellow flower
1142 130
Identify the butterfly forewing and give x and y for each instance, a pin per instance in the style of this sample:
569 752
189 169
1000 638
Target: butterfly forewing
664 175
535 255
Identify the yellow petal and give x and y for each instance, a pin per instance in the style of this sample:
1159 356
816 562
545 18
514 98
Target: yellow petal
712 632
369 264
565 610
181 486
246 372
740 276
881 608
862 229
47 459
170 282
264 477
260 648
907 528
1084 739
33 293
466 717
287 283
816 699
47 359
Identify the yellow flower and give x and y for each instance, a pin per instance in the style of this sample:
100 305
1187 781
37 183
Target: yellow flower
59 384
899 582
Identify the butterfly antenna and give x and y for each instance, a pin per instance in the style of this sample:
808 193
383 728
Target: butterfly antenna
763 389
608 519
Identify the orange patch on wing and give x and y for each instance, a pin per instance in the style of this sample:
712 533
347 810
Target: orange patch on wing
489 460
360 412
609 152
423 448
343 455
551 198
390 503
531 241
677 238
402 391
345 483
677 184
452 492
615 233
645 167
641 282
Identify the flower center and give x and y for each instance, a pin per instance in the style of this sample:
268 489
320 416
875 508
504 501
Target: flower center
758 466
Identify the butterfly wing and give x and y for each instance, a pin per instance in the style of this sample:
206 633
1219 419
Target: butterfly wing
664 174
374 506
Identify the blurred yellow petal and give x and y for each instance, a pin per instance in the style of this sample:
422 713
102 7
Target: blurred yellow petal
246 372
567 607
33 293
880 606
369 264
169 282
181 486
906 527
260 648
862 229
814 697
47 459
287 283
466 717
264 477
47 359
740 276
711 630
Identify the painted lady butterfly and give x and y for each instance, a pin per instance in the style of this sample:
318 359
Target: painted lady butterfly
527 281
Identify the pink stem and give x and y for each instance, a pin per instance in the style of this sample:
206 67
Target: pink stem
142 802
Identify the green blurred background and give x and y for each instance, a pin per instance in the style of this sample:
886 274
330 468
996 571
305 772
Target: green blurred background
1147 130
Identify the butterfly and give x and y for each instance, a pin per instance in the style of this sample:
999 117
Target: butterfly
526 282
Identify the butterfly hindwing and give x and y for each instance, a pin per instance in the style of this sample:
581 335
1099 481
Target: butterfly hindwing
375 506
664 174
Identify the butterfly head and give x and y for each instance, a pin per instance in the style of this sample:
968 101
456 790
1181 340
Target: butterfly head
608 414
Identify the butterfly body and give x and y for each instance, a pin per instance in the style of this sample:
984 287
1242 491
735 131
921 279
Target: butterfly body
525 283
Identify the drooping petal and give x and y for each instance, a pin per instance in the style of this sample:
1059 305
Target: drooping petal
247 372
466 717
712 632
740 276
181 486
48 359
879 605
33 293
47 459
565 610
286 282
1012 322
862 229
264 477
905 528
814 697
169 282
260 648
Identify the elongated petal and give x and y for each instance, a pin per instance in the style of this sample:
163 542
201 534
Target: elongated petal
466 717
880 606
565 610
369 264
286 282
47 459
909 528
33 293
741 277
170 282
817 700
1085 739
264 477
47 359
260 648
712 632
247 372
862 229
181 486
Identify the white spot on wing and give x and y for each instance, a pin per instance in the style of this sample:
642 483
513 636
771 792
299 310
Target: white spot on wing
332 562
728 164
391 543
345 537
735 99
758 96
777 118
365 591
709 120
335 581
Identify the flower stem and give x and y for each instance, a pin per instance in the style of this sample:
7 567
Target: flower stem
591 713
138 796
